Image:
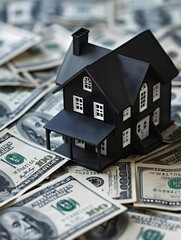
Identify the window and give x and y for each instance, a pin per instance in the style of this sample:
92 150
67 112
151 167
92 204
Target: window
103 147
126 113
143 101
99 111
79 143
156 116
156 92
87 84
78 104
126 137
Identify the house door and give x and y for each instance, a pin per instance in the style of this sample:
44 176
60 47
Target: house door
142 128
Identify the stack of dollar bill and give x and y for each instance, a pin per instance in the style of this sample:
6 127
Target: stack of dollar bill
43 195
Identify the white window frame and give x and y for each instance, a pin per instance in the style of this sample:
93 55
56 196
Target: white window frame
79 143
78 104
126 137
156 116
103 147
126 113
156 92
87 84
98 110
143 97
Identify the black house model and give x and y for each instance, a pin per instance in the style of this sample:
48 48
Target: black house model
116 103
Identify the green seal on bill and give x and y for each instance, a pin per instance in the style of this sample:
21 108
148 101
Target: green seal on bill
14 158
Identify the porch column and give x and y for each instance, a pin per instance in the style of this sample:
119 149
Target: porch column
70 147
98 156
48 138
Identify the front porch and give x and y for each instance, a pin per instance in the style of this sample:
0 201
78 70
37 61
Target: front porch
85 157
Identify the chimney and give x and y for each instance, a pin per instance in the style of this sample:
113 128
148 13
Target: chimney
79 38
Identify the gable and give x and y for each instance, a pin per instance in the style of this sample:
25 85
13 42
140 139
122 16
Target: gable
145 47
72 64
115 76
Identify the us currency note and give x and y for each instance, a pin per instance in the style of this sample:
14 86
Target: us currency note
176 82
137 224
15 101
146 15
171 134
168 155
7 78
14 41
170 40
48 53
30 125
118 181
158 186
176 105
23 165
42 76
57 210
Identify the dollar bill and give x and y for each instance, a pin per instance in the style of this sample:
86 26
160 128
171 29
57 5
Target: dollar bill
147 15
118 181
171 134
48 53
176 82
14 41
23 165
170 40
137 224
15 101
62 209
176 105
158 186
7 78
168 155
30 125
42 76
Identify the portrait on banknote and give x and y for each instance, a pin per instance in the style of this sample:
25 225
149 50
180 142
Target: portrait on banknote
7 187
112 229
30 126
23 223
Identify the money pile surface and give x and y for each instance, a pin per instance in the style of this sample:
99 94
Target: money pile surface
136 198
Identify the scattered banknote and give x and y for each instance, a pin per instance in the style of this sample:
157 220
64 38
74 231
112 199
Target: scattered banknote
23 165
176 105
137 224
48 53
14 41
62 209
170 154
15 101
170 40
146 15
176 82
8 78
31 125
42 76
158 186
171 134
118 181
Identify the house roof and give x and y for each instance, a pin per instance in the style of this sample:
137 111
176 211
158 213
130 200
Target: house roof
79 126
118 75
72 64
144 47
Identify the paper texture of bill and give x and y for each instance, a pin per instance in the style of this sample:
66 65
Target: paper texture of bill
118 181
67 206
138 224
14 41
158 186
15 101
23 165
